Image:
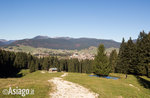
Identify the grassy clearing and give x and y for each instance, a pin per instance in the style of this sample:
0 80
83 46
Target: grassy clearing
109 88
32 50
37 81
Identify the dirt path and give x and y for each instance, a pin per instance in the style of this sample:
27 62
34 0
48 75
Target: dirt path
66 89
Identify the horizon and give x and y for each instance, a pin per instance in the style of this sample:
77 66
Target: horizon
62 37
105 19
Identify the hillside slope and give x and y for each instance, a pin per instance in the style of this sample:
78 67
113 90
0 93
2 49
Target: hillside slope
66 43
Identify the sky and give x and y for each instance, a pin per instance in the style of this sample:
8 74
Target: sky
101 19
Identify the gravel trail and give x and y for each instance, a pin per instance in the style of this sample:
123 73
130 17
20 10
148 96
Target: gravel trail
66 89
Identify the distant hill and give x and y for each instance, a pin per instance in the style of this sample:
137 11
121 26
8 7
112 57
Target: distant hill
65 43
1 43
41 37
4 42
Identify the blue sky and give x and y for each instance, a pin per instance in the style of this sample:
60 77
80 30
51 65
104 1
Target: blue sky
102 19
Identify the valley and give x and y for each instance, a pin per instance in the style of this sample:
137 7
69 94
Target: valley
87 53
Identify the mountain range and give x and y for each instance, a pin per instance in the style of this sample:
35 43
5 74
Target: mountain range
61 42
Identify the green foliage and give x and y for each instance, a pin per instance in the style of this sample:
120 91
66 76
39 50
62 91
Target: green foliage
101 62
32 66
113 60
131 56
134 58
46 64
21 60
11 63
73 65
37 64
127 60
87 66
143 45
120 60
148 70
6 64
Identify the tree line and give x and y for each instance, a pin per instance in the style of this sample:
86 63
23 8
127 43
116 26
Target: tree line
134 57
11 63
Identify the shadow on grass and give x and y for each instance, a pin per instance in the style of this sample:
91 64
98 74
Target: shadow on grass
145 83
18 75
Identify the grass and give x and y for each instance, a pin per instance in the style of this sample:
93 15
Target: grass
109 88
21 48
37 81
106 88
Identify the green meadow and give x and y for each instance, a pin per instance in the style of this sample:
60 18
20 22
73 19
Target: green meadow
132 87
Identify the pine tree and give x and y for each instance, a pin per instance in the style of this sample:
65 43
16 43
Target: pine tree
76 65
45 64
128 57
72 65
142 50
113 60
32 66
29 58
37 64
66 65
21 60
89 66
80 67
120 60
131 57
101 62
148 54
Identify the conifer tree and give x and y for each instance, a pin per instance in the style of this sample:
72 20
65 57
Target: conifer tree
21 60
30 58
120 61
148 54
32 66
142 50
37 64
113 60
45 64
101 62
131 56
